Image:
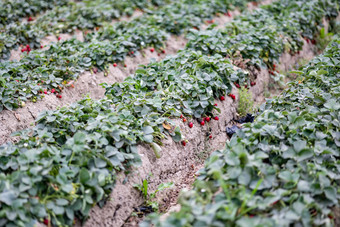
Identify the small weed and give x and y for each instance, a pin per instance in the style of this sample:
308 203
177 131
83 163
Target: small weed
324 38
246 102
150 197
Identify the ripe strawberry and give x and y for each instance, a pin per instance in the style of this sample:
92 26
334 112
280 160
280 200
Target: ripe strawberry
59 96
159 54
114 64
210 136
253 83
222 98
45 91
181 116
184 119
41 46
245 86
313 41
216 118
228 14
132 52
53 90
191 125
30 19
59 38
215 104
202 123
152 50
233 96
207 119
42 81
125 65
163 51
46 221
237 85
184 143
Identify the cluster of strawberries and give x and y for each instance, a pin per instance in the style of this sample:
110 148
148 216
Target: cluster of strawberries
27 48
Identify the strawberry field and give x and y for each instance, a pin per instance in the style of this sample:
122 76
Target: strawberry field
109 108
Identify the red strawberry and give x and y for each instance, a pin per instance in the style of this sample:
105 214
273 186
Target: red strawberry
184 143
228 14
41 46
245 86
163 51
159 54
59 96
46 221
45 92
132 52
184 119
237 85
191 125
114 64
152 50
207 119
202 123
253 83
125 65
313 41
210 136
222 98
215 104
59 38
233 96
216 118
30 19
181 116
53 90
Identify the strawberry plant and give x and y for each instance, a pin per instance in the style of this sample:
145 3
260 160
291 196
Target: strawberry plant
280 170
261 37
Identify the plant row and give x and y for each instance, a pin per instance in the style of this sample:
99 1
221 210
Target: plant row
65 18
262 36
13 11
40 71
92 14
281 170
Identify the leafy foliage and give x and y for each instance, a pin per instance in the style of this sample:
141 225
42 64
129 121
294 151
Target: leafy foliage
281 170
262 36
65 60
